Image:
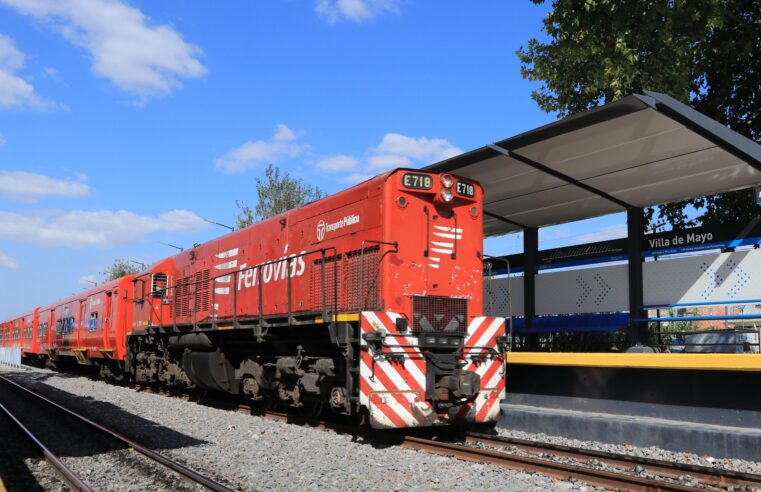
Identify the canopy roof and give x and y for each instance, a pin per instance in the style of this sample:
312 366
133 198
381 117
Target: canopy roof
640 151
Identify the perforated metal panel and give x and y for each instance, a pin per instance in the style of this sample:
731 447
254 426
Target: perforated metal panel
602 289
713 278
439 314
503 296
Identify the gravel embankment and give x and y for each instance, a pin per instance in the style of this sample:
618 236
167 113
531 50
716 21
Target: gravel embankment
96 459
22 467
651 452
252 453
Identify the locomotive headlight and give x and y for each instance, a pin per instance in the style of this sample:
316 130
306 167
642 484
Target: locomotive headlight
446 180
446 195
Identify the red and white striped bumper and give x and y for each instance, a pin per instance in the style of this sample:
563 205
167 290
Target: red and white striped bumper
393 376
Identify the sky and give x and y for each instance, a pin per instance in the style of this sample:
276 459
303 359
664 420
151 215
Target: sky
128 124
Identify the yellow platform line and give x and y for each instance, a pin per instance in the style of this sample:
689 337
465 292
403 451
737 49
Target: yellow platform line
713 362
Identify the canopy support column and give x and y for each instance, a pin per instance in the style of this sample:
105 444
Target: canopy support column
530 255
635 227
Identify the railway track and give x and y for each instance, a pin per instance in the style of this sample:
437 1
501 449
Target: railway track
706 476
597 468
96 439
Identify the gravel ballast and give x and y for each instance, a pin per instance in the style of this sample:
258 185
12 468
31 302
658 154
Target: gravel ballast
253 453
649 452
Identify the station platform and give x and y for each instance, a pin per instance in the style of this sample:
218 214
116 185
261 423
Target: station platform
700 403
711 362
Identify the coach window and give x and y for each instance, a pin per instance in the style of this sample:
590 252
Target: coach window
158 284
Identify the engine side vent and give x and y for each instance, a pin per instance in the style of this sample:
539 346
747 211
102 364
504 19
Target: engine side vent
202 291
439 314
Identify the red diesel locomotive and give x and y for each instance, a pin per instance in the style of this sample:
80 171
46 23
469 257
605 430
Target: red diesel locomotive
365 303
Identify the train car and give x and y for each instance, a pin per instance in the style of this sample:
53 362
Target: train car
29 347
90 328
367 303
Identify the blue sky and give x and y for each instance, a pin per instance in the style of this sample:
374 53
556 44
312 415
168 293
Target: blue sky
123 124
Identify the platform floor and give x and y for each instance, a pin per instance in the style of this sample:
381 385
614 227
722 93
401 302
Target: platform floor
709 362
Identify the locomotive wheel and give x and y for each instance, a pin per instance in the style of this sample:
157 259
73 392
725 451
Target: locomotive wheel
311 408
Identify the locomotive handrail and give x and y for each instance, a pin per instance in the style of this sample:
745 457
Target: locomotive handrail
395 244
212 281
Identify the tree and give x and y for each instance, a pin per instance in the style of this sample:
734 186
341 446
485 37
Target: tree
277 193
119 269
703 52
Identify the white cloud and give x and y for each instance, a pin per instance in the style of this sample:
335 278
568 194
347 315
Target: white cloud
395 150
334 11
252 154
15 92
355 178
88 280
7 262
338 163
30 187
52 73
103 228
139 57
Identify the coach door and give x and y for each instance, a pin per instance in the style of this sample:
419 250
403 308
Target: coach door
107 316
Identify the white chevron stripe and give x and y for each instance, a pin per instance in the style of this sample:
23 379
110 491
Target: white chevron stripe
447 235
225 266
433 258
222 290
442 251
443 244
228 253
448 229
224 280
410 365
433 265
376 385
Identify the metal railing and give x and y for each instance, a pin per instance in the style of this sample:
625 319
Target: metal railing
171 299
743 340
10 356
487 260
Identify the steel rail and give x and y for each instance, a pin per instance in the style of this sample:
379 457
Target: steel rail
159 458
562 471
715 477
64 471
610 479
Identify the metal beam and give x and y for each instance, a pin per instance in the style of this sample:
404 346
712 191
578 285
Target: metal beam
556 174
505 220
637 323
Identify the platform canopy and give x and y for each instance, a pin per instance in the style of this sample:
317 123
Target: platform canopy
640 151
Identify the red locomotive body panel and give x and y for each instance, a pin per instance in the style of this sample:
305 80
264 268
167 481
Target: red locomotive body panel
322 250
368 302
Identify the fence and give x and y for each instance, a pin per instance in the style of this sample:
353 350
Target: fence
10 356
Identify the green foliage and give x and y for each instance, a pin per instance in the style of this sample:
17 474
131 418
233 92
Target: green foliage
703 52
119 269
277 193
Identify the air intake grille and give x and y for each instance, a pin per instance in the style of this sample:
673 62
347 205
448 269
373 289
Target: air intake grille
439 314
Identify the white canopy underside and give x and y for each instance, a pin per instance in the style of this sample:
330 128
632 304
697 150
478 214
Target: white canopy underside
641 150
